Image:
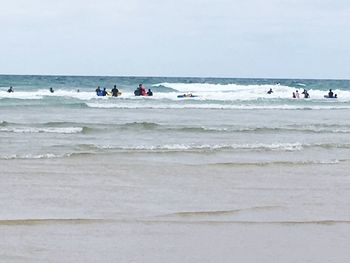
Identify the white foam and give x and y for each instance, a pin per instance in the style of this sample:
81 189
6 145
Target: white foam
249 92
228 93
65 130
207 87
214 106
33 156
194 147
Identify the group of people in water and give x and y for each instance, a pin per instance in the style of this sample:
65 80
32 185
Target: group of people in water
11 90
114 92
140 91
296 95
331 95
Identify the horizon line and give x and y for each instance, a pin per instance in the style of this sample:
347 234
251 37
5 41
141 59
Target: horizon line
184 77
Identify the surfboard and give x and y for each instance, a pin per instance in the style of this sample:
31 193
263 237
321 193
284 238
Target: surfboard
186 96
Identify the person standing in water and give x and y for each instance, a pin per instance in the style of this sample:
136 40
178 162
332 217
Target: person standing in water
306 94
143 90
98 91
10 90
140 91
330 93
115 91
104 92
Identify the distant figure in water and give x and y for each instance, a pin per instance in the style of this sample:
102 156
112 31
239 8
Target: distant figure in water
115 91
78 90
104 92
10 90
296 94
306 94
330 94
140 91
149 92
98 91
270 91
143 90
335 96
188 95
51 90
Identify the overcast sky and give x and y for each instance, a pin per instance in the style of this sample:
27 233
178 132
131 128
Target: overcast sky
218 38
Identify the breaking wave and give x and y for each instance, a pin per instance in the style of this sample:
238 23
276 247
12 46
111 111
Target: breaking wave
66 130
83 127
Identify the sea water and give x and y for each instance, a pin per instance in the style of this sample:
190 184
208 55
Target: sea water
228 116
234 164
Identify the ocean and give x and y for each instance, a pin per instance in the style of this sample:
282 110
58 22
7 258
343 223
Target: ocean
231 172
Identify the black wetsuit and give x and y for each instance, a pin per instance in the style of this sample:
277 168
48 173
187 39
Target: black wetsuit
115 92
137 92
306 94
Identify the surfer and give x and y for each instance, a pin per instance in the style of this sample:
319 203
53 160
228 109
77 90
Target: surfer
296 94
188 95
306 94
270 91
10 90
140 91
149 92
51 90
115 91
104 92
330 94
98 91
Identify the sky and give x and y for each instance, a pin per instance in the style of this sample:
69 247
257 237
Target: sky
198 38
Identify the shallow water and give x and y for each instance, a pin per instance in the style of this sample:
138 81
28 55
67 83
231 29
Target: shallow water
233 165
